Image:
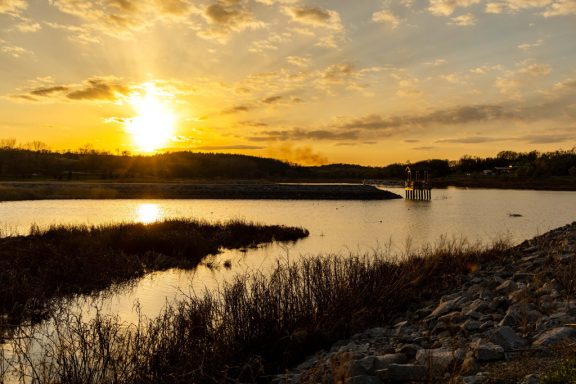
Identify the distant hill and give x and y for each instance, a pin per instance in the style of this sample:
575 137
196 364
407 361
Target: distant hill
21 163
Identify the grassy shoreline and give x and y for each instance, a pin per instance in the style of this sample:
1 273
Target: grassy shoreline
260 325
64 260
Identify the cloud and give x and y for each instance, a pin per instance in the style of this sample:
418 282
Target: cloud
451 116
482 70
535 69
99 89
47 91
26 25
297 134
513 82
228 147
424 148
336 73
464 20
495 8
565 84
436 63
561 8
121 17
548 138
298 61
273 99
544 138
237 109
226 16
315 17
13 7
386 16
549 7
474 140
447 7
528 46
13 50
94 89
271 43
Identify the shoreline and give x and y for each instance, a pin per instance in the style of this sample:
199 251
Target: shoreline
454 314
511 321
16 191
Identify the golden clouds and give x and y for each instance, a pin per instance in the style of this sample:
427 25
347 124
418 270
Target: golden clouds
315 16
124 16
12 50
386 16
226 16
447 7
12 6
101 89
561 8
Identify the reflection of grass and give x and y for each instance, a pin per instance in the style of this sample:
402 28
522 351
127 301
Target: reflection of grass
76 259
256 325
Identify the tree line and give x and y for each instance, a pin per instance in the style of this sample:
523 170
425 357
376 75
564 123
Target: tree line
35 160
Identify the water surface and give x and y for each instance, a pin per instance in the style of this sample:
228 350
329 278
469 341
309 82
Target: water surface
335 227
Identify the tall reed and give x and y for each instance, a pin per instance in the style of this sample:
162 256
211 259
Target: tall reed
62 260
254 326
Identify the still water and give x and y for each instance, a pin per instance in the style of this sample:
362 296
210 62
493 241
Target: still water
336 227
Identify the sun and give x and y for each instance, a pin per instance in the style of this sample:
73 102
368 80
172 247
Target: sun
153 126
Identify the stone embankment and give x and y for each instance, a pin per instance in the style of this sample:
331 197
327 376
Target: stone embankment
493 328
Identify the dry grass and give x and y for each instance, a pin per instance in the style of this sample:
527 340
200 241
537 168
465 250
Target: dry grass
252 327
65 260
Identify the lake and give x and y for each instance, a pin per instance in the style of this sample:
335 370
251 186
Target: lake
336 227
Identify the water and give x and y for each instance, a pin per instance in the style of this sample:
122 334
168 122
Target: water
335 227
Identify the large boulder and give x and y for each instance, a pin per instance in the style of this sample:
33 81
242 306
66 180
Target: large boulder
554 336
506 338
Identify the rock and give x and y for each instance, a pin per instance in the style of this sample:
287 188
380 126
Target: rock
506 338
554 336
439 358
378 332
488 352
506 287
473 379
444 308
452 318
363 366
469 364
409 350
486 325
500 303
512 318
364 379
440 327
384 361
471 325
521 295
523 276
531 379
403 373
548 287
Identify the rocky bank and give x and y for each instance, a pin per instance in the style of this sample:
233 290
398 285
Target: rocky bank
508 323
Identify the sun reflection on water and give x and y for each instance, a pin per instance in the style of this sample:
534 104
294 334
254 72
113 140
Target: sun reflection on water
148 213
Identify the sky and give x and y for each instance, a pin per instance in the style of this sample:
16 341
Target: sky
367 82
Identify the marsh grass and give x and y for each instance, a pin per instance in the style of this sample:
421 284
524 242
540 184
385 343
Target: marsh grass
62 260
253 326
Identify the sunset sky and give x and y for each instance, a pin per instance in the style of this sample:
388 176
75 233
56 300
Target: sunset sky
366 82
